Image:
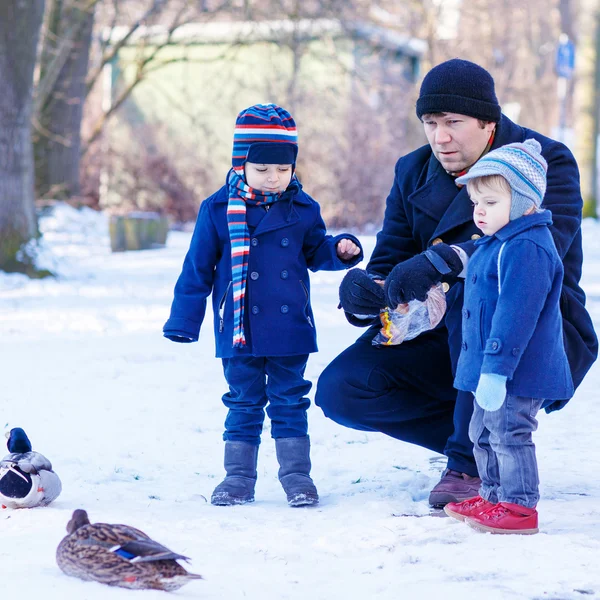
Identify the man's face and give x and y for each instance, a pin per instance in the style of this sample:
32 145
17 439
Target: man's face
457 141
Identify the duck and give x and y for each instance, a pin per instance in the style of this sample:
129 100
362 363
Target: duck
119 555
27 479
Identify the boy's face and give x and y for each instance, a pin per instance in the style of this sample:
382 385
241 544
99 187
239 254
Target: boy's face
491 208
269 179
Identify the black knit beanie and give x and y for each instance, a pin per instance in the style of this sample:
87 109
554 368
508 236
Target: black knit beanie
459 86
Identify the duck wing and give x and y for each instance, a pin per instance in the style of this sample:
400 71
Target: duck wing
146 550
29 462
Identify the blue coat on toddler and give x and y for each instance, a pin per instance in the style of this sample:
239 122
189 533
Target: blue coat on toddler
511 321
286 241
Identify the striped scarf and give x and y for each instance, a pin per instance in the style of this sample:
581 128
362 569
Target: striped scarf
241 194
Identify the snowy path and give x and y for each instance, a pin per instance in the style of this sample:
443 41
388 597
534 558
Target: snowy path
133 423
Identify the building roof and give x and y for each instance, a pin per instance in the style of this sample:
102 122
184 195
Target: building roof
246 32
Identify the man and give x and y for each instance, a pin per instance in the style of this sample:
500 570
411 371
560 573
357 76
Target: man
406 391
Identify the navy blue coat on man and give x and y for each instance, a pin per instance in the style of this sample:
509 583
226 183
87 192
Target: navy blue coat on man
425 207
285 242
512 324
406 391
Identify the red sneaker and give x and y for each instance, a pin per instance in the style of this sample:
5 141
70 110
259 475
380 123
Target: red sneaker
467 508
506 517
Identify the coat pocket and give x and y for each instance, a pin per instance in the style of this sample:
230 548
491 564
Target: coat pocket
222 308
306 303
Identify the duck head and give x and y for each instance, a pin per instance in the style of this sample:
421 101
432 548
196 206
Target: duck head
78 519
18 442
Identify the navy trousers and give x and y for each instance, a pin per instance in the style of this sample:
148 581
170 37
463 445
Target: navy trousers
404 391
276 383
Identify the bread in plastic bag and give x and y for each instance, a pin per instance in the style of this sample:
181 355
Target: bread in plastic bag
407 321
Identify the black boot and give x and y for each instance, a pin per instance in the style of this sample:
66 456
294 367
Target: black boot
293 455
240 466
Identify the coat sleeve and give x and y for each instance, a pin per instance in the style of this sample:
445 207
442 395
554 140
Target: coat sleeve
319 248
195 282
512 329
563 195
395 241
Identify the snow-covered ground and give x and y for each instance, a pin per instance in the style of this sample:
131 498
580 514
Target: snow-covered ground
133 424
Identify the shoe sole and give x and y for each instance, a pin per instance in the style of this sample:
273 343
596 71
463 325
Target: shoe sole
303 500
453 514
229 501
485 529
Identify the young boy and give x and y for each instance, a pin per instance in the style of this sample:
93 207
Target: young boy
512 356
253 244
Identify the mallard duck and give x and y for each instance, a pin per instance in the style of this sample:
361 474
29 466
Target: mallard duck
119 555
26 477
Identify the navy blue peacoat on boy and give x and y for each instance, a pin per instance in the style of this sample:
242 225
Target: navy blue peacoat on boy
512 324
285 242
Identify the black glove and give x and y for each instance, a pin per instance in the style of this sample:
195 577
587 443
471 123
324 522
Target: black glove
413 278
360 295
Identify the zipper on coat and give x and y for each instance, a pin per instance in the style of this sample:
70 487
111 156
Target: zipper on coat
222 309
306 304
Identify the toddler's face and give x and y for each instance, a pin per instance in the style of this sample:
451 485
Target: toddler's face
269 179
491 208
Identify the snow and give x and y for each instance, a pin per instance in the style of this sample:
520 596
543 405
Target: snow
133 424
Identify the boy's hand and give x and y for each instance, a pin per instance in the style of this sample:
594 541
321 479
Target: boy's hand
347 249
491 391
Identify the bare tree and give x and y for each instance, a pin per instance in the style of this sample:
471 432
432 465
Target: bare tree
20 23
60 94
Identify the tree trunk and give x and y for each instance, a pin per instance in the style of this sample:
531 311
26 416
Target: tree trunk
20 22
64 61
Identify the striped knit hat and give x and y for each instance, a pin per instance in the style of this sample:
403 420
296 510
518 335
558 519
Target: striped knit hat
265 134
523 166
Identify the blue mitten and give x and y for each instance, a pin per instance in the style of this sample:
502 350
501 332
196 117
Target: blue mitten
491 391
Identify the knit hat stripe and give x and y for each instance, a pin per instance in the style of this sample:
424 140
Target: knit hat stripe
533 161
518 174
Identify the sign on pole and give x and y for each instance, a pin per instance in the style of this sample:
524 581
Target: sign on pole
565 57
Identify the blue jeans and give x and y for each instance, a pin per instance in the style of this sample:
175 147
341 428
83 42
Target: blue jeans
255 382
505 452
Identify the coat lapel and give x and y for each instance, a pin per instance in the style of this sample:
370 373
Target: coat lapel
441 199
281 214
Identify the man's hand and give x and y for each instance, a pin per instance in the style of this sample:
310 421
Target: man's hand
413 278
360 295
347 249
491 391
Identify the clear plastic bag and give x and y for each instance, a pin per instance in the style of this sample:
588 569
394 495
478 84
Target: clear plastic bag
407 321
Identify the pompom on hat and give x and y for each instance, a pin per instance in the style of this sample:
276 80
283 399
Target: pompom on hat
265 134
462 87
523 166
